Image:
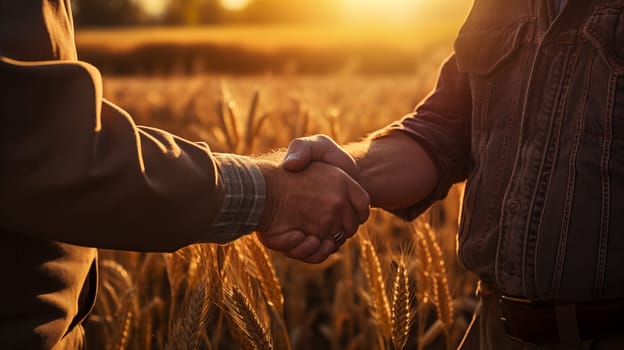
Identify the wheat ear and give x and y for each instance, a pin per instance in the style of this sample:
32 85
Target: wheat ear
442 295
246 319
187 329
123 316
263 270
401 308
374 275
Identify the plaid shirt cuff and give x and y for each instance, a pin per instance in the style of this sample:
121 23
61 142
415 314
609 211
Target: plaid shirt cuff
244 197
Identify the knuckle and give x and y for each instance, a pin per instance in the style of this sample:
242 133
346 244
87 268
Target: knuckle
296 143
322 138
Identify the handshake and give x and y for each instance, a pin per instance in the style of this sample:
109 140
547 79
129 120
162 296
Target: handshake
313 200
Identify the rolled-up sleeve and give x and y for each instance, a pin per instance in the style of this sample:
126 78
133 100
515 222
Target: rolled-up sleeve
441 124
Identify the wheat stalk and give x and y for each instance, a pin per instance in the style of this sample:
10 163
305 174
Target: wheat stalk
279 331
185 270
176 267
246 319
437 286
190 323
245 306
374 275
444 306
154 309
401 314
219 108
123 318
230 106
121 280
263 270
251 122
258 126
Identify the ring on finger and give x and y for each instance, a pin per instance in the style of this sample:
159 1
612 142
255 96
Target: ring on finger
338 236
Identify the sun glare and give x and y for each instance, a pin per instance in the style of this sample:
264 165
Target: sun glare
386 10
234 5
153 8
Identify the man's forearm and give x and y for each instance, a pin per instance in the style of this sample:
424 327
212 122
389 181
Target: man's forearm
394 169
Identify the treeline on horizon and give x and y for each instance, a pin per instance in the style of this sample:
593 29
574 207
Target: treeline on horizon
167 56
102 13
198 58
111 13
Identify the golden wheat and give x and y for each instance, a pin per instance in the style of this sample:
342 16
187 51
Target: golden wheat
186 332
441 292
375 278
123 318
321 304
263 270
401 308
246 319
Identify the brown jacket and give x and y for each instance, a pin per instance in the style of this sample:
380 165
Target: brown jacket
76 169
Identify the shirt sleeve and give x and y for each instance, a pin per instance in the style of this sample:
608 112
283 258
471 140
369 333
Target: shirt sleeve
441 125
243 200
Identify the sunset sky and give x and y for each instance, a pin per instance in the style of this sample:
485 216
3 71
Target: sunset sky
394 11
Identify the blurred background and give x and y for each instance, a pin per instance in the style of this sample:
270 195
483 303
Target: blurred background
260 36
248 76
201 12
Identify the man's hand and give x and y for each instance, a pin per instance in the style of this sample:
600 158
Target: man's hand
395 170
304 210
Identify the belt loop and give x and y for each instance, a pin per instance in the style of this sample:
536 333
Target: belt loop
567 325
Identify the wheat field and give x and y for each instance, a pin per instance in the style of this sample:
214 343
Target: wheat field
395 285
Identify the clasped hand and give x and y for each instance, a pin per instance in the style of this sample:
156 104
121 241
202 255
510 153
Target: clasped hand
312 207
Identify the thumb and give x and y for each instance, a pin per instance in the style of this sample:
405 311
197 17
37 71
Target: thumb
304 150
298 156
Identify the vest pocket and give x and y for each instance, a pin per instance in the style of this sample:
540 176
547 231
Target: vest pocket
605 30
482 51
605 107
491 56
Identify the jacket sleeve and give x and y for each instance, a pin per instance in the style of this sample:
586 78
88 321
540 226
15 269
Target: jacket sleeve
442 125
75 168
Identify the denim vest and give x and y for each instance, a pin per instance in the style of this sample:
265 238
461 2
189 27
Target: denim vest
547 180
530 110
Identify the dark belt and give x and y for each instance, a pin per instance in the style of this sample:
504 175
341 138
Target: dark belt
553 323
